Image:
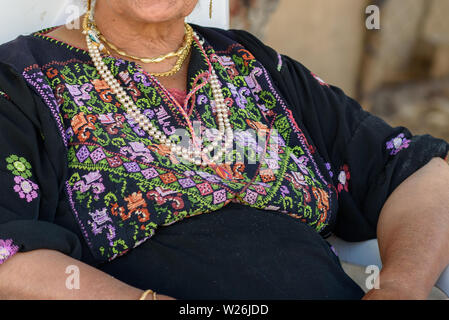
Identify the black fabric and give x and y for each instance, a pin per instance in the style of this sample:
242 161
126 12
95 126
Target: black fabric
237 253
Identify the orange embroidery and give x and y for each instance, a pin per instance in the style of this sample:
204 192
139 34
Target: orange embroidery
267 175
168 178
80 125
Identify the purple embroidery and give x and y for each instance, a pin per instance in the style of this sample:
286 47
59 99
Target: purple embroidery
284 191
82 154
131 167
302 163
25 188
97 155
7 249
186 183
334 250
397 144
219 196
137 151
252 81
92 181
280 62
46 92
251 197
150 173
329 168
80 93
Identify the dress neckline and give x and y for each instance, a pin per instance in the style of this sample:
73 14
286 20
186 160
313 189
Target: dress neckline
193 83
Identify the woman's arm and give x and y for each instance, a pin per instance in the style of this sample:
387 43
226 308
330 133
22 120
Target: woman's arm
41 274
413 234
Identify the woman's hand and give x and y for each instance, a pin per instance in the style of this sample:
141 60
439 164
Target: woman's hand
159 297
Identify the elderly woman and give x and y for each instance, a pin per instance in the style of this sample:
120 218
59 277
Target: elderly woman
165 160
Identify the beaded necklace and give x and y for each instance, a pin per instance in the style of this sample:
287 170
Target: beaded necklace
195 153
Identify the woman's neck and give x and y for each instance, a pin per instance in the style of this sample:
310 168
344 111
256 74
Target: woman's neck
139 38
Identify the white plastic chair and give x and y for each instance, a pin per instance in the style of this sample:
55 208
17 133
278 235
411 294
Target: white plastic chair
25 16
367 253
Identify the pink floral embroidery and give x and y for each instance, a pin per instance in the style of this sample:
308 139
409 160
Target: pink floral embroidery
397 144
7 249
321 81
25 188
343 179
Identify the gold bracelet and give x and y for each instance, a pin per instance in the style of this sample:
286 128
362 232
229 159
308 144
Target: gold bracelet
146 293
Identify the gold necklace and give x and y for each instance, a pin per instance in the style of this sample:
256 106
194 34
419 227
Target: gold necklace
185 47
182 53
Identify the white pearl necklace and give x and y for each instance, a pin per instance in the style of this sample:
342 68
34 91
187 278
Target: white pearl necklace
197 156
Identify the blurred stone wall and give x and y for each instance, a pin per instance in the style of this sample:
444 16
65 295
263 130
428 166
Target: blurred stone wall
252 15
404 76
400 72
324 35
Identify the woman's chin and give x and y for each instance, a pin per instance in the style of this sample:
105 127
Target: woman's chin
155 18
154 11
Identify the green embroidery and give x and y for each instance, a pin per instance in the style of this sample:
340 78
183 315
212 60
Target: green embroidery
19 166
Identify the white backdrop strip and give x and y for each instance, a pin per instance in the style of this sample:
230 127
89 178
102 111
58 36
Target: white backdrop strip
26 16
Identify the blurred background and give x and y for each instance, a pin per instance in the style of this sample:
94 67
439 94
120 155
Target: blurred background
400 72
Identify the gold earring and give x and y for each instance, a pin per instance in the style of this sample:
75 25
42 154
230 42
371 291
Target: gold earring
89 5
210 9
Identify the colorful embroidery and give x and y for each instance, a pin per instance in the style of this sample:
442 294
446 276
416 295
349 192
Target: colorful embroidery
343 179
7 249
397 144
280 62
123 185
19 166
329 169
21 169
26 188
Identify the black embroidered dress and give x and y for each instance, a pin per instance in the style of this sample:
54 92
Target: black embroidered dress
80 177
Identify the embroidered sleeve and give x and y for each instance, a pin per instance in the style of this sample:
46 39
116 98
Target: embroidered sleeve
7 249
29 188
395 145
20 169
